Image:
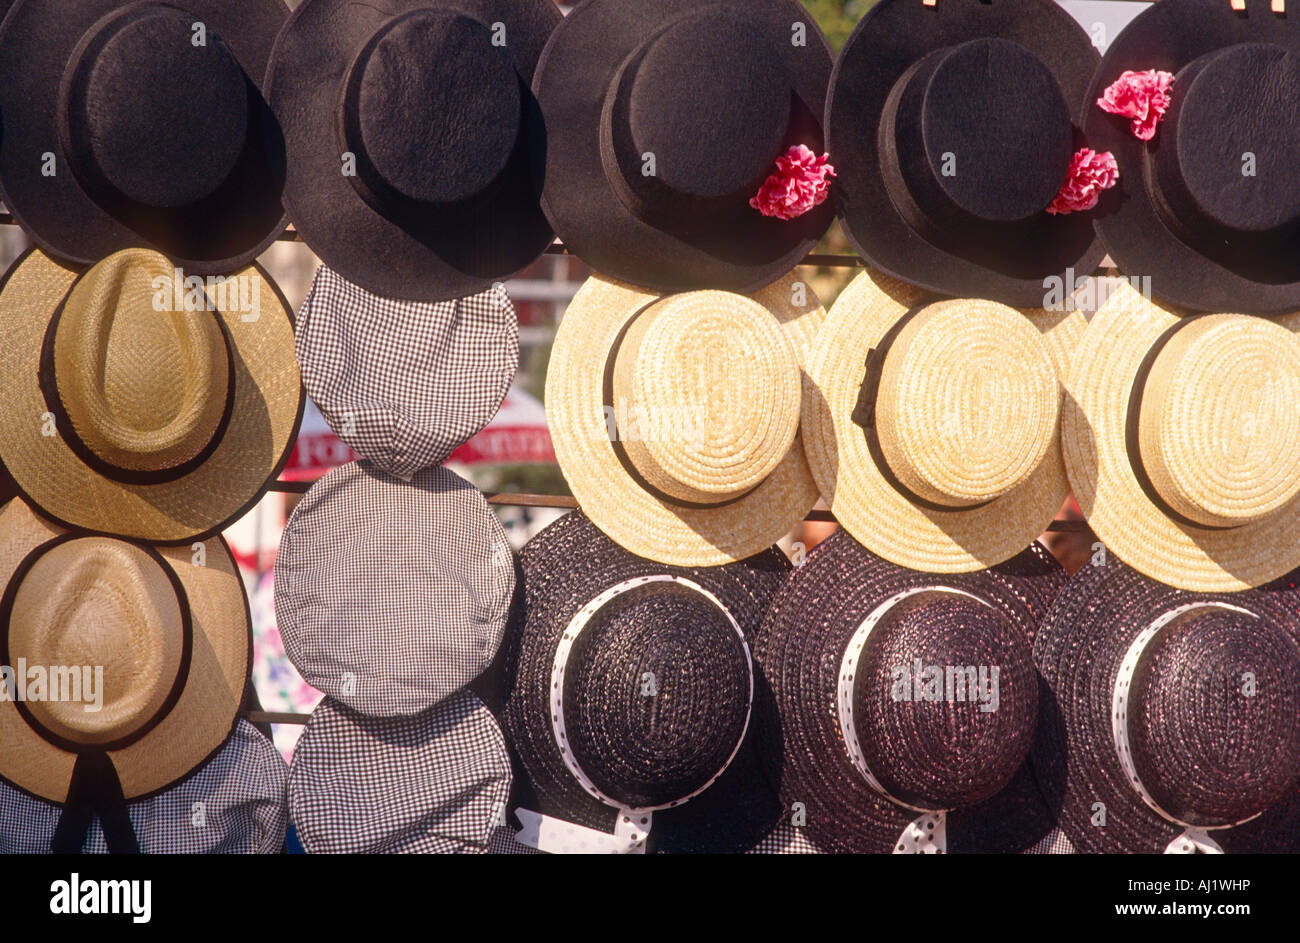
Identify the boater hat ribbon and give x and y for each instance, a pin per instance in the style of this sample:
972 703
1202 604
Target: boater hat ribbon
928 834
1194 837
547 833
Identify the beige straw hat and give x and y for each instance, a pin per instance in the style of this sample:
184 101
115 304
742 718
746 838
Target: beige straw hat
140 402
1182 441
675 418
957 464
169 628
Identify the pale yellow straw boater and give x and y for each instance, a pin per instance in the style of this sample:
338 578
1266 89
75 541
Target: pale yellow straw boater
675 418
169 629
931 425
142 404
1182 441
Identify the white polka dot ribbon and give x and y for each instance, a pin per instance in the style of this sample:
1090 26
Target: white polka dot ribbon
927 834
633 826
1194 837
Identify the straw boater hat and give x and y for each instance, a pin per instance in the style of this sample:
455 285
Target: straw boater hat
154 413
999 89
405 383
170 628
1182 441
631 696
942 452
129 124
1208 207
430 100
879 732
1173 719
664 120
434 783
675 418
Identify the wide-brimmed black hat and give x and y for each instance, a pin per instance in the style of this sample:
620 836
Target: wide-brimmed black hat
906 701
663 120
1169 720
1209 207
408 127
952 128
631 693
129 124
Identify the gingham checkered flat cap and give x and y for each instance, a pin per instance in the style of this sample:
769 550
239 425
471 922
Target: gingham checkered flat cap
236 803
434 783
392 595
402 382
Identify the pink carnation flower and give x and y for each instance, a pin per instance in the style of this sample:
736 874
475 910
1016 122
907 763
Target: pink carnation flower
1090 173
1141 96
801 181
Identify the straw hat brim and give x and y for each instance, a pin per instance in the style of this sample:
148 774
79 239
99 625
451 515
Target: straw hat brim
208 708
1093 424
861 497
1078 650
807 627
635 518
267 409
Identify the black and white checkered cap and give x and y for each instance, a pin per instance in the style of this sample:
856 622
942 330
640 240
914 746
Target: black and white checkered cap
236 803
402 382
392 595
434 783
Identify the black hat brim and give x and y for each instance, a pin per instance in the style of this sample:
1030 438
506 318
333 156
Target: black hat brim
894 35
1168 36
798 651
563 568
224 232
461 257
572 80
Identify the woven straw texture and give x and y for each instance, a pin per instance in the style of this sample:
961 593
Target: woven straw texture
934 754
267 406
1207 753
636 747
717 382
966 416
1221 443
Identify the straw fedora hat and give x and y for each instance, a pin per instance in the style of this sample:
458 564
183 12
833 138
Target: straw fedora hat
1177 712
906 702
168 626
1182 441
631 694
675 417
1209 206
664 120
952 127
430 100
148 412
125 125
942 453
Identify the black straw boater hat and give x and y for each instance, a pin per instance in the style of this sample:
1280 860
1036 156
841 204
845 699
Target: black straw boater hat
663 120
407 129
631 696
952 127
906 702
1170 720
131 124
1209 205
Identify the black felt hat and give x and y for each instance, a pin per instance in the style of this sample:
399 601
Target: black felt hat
407 127
880 767
952 128
632 692
663 120
1170 720
142 124
1209 207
